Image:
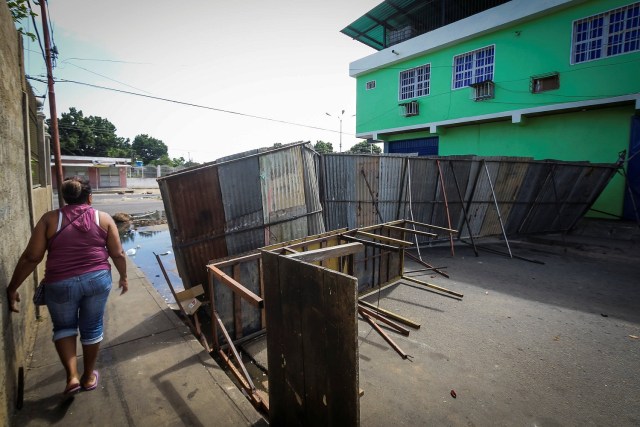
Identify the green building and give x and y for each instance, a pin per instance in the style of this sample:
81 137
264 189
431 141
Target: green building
547 79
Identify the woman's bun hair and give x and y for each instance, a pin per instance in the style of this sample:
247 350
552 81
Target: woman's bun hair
76 190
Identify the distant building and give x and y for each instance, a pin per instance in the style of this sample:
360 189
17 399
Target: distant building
543 79
102 172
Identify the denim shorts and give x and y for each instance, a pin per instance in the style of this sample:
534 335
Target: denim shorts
78 303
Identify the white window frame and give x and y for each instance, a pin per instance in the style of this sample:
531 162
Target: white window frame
606 34
475 66
414 82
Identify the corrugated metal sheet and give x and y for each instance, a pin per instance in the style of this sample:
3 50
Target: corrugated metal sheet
268 196
283 195
421 190
196 223
240 184
221 208
315 220
491 224
339 191
508 183
390 186
536 175
367 182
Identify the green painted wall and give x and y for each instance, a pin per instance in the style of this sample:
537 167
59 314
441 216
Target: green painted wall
536 47
596 135
521 51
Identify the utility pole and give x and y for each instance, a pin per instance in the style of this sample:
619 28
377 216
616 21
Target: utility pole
339 118
55 135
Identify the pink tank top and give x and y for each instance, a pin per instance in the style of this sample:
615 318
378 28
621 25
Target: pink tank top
78 248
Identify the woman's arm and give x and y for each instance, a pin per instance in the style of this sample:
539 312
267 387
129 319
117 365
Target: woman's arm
114 247
28 262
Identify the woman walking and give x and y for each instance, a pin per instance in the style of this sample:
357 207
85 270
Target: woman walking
78 241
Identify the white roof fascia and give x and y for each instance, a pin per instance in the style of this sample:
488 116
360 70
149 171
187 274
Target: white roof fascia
473 26
515 115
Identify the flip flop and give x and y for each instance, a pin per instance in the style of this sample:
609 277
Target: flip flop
72 390
95 384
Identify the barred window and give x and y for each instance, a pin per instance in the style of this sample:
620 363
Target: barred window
473 67
415 82
606 34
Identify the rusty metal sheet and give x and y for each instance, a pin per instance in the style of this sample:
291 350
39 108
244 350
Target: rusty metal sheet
315 220
283 195
196 224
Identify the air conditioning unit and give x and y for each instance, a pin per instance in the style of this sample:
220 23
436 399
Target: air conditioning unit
482 90
409 109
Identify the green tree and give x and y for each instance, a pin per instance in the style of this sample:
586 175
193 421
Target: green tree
20 10
90 136
363 147
149 149
323 147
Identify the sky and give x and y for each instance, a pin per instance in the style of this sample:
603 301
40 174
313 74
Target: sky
282 60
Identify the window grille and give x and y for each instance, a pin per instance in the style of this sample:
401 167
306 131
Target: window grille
371 85
473 67
611 33
415 82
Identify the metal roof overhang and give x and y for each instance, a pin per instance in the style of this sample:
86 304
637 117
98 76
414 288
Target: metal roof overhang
420 15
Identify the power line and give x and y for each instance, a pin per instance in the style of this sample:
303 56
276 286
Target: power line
108 78
189 104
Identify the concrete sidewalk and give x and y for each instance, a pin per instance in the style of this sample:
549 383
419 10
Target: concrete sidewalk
152 372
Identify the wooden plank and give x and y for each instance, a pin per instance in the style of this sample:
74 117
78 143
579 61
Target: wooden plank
263 316
312 344
370 243
385 238
237 305
408 230
275 339
341 331
237 260
328 252
289 281
432 286
236 287
391 315
393 325
448 230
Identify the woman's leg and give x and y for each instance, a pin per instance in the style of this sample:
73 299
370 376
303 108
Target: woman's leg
66 348
90 356
62 300
96 292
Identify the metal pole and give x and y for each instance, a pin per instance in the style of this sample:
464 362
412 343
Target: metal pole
446 205
341 134
464 209
55 135
495 201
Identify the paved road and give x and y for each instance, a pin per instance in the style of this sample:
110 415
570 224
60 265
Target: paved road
127 203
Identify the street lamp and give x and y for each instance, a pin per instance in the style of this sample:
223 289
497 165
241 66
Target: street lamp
339 118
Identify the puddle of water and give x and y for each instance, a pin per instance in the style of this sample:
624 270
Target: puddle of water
140 244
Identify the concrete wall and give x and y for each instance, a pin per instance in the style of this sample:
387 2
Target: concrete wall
19 209
142 183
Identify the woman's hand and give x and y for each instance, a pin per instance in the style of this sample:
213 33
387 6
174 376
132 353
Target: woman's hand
13 297
124 285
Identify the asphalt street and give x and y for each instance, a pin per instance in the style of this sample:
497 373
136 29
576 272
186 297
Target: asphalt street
131 203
